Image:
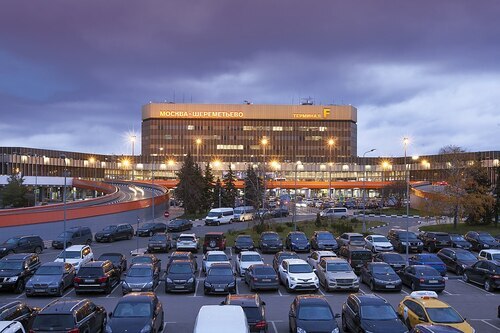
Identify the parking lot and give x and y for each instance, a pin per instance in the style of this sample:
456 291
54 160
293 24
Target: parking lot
475 304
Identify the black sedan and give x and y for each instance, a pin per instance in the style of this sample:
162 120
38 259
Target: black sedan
310 313
147 259
159 242
179 225
459 242
115 232
422 277
137 312
180 276
261 277
119 260
456 260
394 259
485 273
270 241
149 229
380 276
243 243
220 280
280 212
481 240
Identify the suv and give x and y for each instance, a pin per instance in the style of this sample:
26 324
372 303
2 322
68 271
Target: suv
351 238
481 240
99 276
22 244
159 242
336 274
114 232
489 255
16 269
18 311
399 237
254 308
187 242
77 255
485 273
71 315
296 274
270 241
356 256
324 240
75 235
214 241
434 241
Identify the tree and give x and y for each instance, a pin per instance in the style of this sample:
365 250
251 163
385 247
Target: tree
396 190
497 196
478 203
190 187
229 193
14 194
254 188
208 189
217 194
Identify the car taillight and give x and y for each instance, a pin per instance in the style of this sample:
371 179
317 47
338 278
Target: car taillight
102 280
496 276
261 324
422 280
31 331
77 280
74 330
255 279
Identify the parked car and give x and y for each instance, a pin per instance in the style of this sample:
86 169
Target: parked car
429 259
356 256
280 256
51 278
243 243
214 241
159 242
244 213
150 228
489 255
218 216
77 255
73 236
394 259
296 274
380 276
456 260
11 327
216 318
270 241
485 273
434 241
261 277
140 277
118 260
137 312
263 214
422 277
324 240
401 240
16 269
336 212
96 276
312 313
147 259
280 212
178 225
370 313
315 257
188 242
481 240
71 315
351 238
254 308
459 241
180 276
112 233
214 257
337 274
22 244
297 241
378 243
18 311
183 255
220 279
246 259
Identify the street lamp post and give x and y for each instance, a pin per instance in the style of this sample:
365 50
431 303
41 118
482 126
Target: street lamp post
65 172
295 197
132 140
364 188
406 141
331 143
264 143
198 144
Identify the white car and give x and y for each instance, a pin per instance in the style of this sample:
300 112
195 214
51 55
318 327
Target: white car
76 255
337 274
297 274
11 327
378 243
213 257
187 242
316 256
489 255
246 259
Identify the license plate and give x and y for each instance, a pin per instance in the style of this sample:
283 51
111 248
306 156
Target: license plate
136 289
414 247
266 280
219 289
156 247
39 290
390 286
433 281
89 280
179 287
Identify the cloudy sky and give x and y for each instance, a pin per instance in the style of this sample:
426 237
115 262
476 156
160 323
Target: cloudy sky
74 74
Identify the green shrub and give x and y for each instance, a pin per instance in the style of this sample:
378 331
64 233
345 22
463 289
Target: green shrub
289 224
279 228
261 227
318 222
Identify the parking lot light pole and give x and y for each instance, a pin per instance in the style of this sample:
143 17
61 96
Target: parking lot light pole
331 143
65 173
364 188
295 197
405 145
264 141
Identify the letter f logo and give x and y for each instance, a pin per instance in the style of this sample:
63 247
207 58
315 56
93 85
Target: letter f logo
326 112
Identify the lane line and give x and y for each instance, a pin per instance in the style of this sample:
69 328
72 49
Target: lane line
274 327
70 290
195 289
473 285
112 291
279 292
487 323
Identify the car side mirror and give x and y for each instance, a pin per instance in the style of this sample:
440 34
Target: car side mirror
222 303
110 314
337 315
263 303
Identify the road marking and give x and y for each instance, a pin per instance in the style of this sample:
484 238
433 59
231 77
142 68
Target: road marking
236 286
473 285
321 292
404 292
195 289
279 292
486 321
70 290
274 327
112 291
230 251
22 294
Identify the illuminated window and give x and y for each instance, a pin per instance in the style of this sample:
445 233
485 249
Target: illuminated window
230 147
277 128
190 127
322 129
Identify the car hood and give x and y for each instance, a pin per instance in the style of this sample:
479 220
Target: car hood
100 233
129 324
387 277
462 243
9 272
45 279
272 242
342 275
208 264
138 279
327 242
300 242
383 326
326 326
219 279
392 263
245 244
303 275
179 276
490 243
384 244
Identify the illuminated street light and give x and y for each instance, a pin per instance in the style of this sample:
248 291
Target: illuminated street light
406 141
331 144
132 139
264 142
198 143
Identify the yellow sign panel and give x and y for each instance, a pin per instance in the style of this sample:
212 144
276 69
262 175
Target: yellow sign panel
326 112
201 114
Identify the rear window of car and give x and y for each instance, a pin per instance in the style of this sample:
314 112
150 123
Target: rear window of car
159 237
253 313
186 239
53 322
357 238
90 271
264 271
361 255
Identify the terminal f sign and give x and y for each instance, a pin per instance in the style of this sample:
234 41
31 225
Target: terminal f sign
326 112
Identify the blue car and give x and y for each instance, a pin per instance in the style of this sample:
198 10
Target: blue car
429 259
297 241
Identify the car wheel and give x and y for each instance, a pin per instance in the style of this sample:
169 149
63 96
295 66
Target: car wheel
488 286
344 325
150 234
465 277
60 291
38 250
129 236
413 286
287 286
459 270
19 286
372 286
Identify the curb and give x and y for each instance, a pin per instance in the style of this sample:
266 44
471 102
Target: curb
379 226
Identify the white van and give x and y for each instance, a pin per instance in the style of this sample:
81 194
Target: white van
218 216
221 318
11 327
338 212
244 213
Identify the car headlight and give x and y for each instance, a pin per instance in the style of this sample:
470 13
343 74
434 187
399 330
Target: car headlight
292 278
191 280
125 285
404 243
207 284
54 284
380 281
169 280
12 279
332 280
301 330
107 235
231 284
3 249
336 330
146 329
148 285
264 244
420 244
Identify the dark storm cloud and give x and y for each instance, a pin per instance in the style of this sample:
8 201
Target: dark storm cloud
73 75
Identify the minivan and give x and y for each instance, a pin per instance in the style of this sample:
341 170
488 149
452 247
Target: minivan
244 213
73 236
337 212
218 216
216 318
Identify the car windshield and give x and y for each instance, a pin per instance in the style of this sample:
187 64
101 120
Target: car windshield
142 260
251 257
180 269
268 237
383 269
429 258
466 256
338 267
159 238
316 312
442 238
244 240
49 270
109 228
495 256
239 211
444 315
407 235
67 234
457 238
11 265
70 255
300 268
12 240
426 271
175 222
298 237
186 239
147 225
288 256
361 255
220 271
325 236
486 238
380 239
111 257
51 322
139 272
126 309
217 257
356 239
264 271
392 257
253 313
214 214
378 312
90 271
